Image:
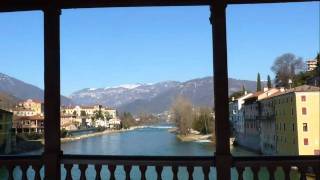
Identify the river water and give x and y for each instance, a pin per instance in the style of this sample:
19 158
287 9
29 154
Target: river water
152 141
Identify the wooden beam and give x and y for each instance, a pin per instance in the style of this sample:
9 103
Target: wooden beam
220 67
52 92
266 1
29 5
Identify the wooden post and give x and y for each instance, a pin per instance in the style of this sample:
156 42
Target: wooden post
222 155
52 150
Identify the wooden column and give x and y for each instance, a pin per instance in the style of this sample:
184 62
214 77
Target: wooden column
222 155
52 150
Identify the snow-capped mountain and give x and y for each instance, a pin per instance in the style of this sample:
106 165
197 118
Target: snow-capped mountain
120 95
155 98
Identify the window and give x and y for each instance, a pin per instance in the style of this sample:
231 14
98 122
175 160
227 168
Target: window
304 111
291 111
305 141
293 127
303 98
305 127
284 126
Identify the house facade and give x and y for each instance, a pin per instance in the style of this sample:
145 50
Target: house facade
28 124
297 121
5 131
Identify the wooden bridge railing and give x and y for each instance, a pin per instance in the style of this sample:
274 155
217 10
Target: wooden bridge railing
78 166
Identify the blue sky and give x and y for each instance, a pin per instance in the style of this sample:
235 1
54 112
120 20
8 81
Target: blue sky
108 47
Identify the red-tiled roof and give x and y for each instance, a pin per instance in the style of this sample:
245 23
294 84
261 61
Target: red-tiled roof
20 118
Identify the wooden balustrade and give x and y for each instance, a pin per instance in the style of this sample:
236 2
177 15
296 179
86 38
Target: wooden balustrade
142 162
21 164
29 167
302 166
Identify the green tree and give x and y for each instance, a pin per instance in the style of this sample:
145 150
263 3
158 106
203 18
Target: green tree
107 116
258 82
243 89
127 120
269 82
83 113
98 114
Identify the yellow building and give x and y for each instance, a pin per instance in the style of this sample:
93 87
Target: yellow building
33 105
297 121
5 131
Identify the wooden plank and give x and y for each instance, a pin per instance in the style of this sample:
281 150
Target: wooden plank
52 92
29 5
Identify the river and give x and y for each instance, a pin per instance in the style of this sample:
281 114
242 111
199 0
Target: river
152 141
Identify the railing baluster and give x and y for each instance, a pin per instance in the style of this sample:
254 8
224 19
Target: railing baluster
24 168
98 168
127 169
175 170
112 168
286 170
190 170
240 172
36 168
143 170
68 168
10 169
206 171
159 172
83 168
302 172
255 171
271 170
316 170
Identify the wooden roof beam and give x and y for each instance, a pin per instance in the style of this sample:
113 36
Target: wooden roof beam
29 5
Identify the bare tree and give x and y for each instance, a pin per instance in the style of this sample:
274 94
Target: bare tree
286 67
182 114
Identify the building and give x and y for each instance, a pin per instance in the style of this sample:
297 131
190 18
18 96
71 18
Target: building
311 65
21 111
267 125
114 123
88 110
33 105
297 119
251 113
236 115
69 122
28 124
5 131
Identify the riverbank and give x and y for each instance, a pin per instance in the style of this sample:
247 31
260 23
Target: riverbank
84 136
192 137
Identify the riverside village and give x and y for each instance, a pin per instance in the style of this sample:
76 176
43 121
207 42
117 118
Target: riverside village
282 120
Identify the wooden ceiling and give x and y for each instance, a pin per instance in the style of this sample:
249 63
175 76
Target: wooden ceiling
28 5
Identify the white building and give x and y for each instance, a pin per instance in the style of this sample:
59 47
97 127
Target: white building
236 113
101 123
114 123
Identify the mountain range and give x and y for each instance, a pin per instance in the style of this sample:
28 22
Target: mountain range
134 98
155 98
22 90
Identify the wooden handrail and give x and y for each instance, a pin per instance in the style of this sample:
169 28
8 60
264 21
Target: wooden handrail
139 160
